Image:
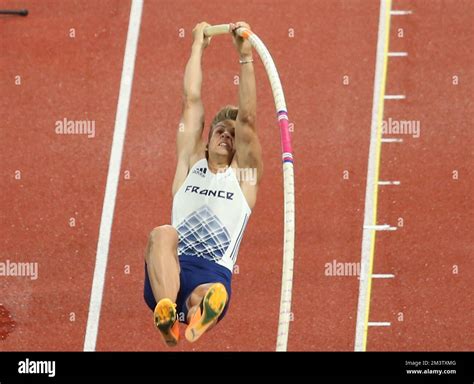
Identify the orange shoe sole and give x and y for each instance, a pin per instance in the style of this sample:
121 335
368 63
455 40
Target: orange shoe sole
211 308
165 320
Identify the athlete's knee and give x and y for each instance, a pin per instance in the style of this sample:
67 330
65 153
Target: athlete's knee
164 233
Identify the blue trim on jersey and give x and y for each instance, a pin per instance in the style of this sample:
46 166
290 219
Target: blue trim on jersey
239 239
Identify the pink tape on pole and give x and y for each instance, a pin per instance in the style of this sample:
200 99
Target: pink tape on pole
287 152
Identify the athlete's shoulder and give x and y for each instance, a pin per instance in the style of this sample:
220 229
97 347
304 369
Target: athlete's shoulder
198 160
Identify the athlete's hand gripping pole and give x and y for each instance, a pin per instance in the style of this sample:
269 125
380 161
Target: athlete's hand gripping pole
220 29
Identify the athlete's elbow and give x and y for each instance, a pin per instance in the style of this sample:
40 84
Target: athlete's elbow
191 97
248 119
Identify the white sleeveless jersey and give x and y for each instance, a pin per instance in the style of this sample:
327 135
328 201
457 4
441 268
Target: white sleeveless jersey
210 213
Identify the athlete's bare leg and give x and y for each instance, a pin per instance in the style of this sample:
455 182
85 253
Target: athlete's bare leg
162 262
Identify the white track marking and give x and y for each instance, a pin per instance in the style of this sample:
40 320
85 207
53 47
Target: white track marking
382 276
378 324
391 140
388 183
113 176
368 234
394 97
400 13
398 54
382 227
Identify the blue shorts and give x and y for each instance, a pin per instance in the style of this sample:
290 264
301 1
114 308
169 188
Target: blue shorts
194 272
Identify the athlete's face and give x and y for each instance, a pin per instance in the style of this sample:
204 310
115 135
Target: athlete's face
222 139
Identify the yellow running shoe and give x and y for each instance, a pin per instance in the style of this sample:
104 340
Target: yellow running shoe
209 311
165 321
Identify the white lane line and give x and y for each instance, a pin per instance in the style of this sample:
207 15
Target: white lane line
389 183
398 54
394 97
400 13
382 227
379 324
391 140
113 176
370 210
382 276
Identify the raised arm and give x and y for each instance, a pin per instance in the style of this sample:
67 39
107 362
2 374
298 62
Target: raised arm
189 136
248 149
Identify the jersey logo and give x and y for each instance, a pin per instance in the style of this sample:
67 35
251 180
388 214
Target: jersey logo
200 171
210 192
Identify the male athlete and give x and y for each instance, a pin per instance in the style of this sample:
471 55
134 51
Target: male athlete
189 263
